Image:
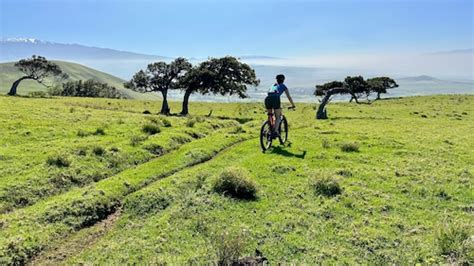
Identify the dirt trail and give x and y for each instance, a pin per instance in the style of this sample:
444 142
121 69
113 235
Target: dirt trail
60 251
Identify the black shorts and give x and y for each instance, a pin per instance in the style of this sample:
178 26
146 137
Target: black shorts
272 102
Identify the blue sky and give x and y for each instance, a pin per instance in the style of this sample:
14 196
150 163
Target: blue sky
272 28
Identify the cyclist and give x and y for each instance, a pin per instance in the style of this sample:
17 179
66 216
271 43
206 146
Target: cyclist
272 101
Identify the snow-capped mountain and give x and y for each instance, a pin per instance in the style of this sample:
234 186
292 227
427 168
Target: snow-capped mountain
120 63
24 40
12 49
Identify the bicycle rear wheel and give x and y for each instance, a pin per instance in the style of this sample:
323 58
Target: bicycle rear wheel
283 131
266 136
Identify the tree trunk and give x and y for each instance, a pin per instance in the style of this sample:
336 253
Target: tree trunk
378 96
322 113
165 109
188 93
15 85
354 97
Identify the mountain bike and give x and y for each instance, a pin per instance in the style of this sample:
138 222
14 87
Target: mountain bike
267 134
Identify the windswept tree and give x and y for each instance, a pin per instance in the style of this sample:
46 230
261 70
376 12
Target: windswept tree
37 68
380 85
160 77
356 87
353 86
224 76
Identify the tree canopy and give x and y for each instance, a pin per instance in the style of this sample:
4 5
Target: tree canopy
354 86
160 77
36 68
380 85
224 76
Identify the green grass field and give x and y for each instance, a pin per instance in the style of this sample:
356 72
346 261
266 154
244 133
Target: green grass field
9 73
97 181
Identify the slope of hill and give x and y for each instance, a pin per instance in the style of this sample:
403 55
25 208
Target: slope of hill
9 73
83 182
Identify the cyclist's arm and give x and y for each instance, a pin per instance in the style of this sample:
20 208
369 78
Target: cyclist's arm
287 92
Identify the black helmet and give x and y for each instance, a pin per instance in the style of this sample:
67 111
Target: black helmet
280 77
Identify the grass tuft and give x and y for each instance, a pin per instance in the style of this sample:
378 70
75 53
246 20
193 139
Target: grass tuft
191 122
99 151
166 122
151 129
235 182
136 140
455 242
155 149
99 132
327 187
229 246
326 144
60 160
350 147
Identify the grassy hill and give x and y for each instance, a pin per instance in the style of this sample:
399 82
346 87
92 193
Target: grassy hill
97 181
8 74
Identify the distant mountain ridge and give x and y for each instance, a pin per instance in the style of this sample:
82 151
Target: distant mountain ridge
13 49
419 78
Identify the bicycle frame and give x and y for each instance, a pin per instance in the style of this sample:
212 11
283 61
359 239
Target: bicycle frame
272 119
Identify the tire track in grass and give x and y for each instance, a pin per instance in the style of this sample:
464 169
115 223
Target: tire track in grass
28 231
43 188
61 251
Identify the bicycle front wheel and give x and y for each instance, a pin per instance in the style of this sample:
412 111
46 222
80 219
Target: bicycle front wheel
266 136
283 131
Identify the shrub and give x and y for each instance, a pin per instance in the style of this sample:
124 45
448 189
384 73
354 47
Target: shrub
151 129
88 88
99 151
350 147
327 186
155 149
59 160
454 240
236 183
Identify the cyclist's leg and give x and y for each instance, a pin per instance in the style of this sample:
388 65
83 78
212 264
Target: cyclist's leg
270 116
278 120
